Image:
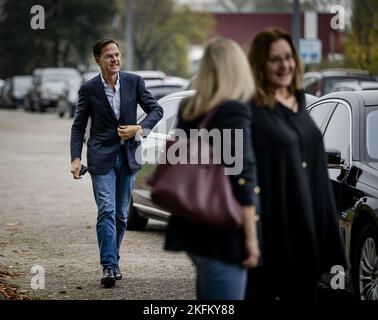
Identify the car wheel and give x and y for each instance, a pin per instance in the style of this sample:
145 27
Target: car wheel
134 220
60 108
39 107
72 111
365 266
33 105
27 104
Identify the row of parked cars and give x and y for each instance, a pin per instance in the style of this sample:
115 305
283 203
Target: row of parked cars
13 91
39 91
157 82
57 88
348 120
325 81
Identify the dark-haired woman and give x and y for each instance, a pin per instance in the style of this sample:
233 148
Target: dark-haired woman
299 221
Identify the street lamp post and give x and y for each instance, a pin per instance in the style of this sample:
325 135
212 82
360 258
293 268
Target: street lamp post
296 23
129 35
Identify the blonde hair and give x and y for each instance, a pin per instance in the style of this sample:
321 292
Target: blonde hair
224 74
258 57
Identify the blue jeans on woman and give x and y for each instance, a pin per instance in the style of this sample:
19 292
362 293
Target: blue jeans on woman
219 280
112 192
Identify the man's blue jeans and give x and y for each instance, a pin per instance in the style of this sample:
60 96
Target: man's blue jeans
219 280
112 192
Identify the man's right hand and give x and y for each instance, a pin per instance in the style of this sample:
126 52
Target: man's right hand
75 168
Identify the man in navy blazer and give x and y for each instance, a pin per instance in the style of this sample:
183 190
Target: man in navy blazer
110 100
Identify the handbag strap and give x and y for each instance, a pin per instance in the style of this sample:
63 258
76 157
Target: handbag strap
205 121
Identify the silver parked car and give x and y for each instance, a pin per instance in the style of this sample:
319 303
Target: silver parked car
319 83
160 84
142 208
354 86
48 85
15 91
67 101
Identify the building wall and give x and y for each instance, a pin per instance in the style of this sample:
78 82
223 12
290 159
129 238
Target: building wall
242 27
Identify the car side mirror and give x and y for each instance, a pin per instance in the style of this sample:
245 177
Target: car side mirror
334 160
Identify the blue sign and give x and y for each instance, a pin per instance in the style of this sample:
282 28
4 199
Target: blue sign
310 50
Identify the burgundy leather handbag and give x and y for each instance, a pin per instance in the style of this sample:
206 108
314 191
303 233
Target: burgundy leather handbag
199 192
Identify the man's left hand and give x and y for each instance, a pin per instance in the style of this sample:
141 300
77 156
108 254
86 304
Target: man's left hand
127 132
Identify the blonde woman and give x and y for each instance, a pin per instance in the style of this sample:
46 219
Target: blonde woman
221 257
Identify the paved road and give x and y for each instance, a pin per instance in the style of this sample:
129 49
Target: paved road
48 219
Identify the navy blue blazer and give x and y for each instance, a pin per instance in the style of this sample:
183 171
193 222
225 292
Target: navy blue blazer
104 143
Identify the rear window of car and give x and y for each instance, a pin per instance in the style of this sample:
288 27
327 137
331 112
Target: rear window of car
372 134
329 82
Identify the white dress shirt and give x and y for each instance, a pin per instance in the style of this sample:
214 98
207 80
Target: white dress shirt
114 97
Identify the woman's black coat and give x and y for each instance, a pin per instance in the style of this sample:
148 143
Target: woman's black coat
299 220
222 244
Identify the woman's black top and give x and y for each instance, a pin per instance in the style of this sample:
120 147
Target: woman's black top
299 218
222 244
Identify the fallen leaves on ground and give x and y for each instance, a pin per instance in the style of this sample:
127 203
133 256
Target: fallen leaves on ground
12 292
8 291
4 274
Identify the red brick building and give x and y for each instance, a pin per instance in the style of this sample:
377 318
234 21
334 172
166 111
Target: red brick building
242 27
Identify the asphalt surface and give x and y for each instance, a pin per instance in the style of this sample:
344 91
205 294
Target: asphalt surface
47 219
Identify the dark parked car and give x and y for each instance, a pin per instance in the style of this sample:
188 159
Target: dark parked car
15 89
4 93
349 123
2 84
321 82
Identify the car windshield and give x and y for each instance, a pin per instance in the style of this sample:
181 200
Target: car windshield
372 134
22 82
58 77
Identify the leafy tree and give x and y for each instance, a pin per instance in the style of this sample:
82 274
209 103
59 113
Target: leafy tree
71 28
162 33
325 5
361 46
279 5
